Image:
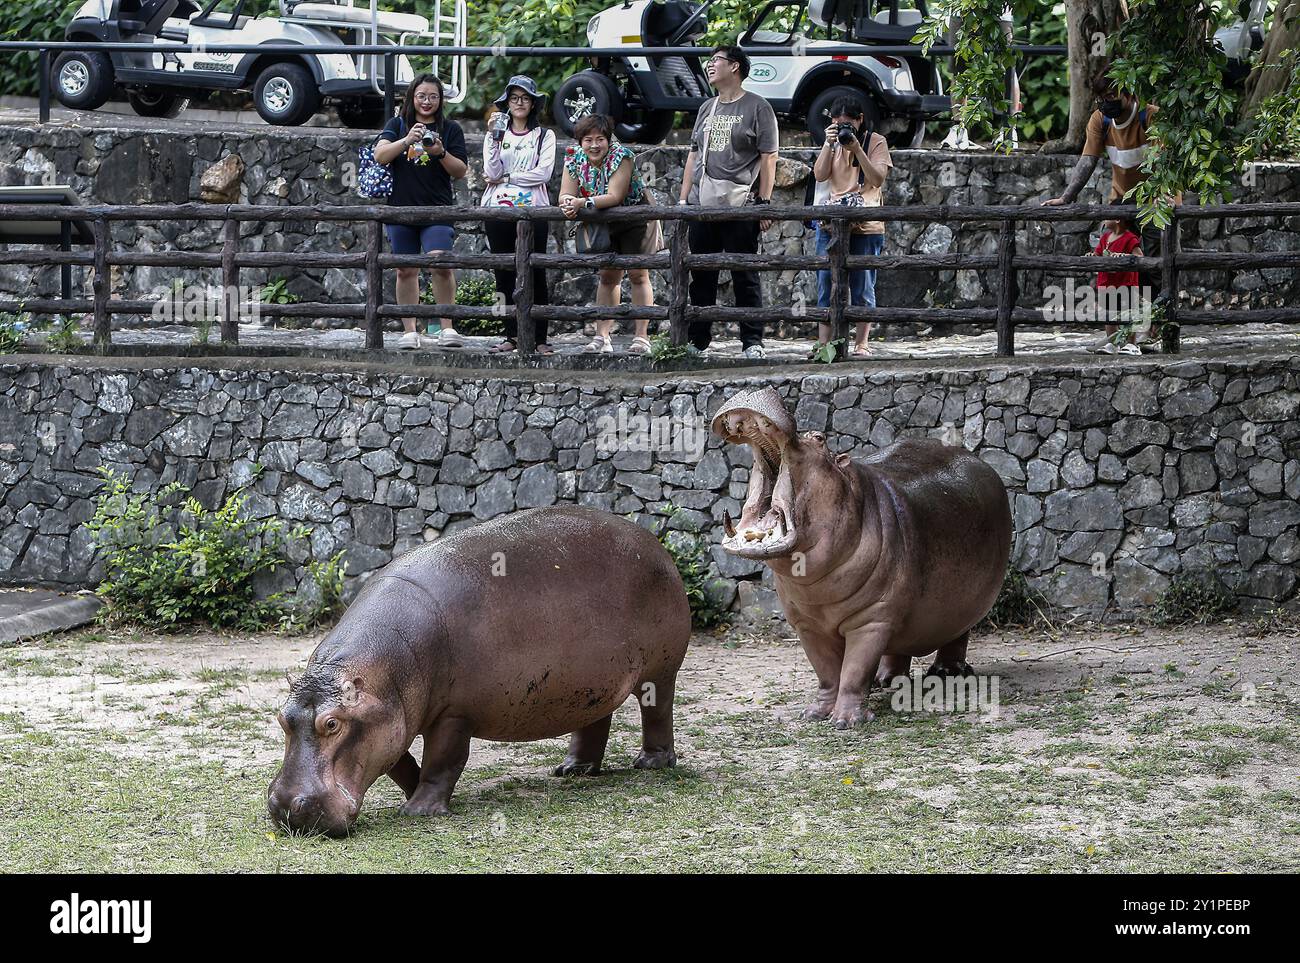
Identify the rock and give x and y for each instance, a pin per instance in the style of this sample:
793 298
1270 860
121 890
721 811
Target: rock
1096 509
537 487
220 183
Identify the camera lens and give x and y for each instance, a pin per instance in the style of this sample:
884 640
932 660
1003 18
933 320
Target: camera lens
846 134
427 141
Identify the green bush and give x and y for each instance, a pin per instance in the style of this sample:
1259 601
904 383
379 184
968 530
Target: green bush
13 328
1017 604
690 553
477 290
169 562
1194 597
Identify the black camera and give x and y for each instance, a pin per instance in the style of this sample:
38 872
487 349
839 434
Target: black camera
429 139
846 134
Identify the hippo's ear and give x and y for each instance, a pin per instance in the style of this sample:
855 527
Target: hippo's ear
351 691
843 460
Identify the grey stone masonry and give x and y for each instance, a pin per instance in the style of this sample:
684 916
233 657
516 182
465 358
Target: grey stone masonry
1120 475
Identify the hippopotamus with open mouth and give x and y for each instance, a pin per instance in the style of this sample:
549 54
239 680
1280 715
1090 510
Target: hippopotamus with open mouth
526 627
876 561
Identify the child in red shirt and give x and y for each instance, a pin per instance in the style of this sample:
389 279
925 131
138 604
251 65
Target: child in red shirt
1118 294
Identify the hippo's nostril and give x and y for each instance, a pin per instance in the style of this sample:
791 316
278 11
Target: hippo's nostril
299 805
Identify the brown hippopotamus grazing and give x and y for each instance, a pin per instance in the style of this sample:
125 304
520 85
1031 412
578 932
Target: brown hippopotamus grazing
527 627
876 561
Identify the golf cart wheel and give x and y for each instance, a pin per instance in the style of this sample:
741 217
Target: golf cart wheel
909 138
156 102
585 94
82 81
645 126
362 115
819 111
286 94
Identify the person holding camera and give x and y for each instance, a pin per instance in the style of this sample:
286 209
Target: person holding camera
850 171
425 153
732 162
518 158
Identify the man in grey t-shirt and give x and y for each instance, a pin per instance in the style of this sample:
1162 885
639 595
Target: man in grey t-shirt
734 143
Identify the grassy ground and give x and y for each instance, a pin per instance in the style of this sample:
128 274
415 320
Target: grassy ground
1113 750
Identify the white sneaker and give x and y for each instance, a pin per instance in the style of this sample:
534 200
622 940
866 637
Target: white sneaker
1106 347
1130 349
451 338
1014 139
959 139
755 352
410 341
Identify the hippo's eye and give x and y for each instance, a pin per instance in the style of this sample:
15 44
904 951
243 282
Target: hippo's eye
332 726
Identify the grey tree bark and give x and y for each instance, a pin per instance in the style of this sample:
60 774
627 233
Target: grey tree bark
1088 23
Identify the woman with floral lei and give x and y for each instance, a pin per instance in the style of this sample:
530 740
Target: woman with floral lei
601 173
425 153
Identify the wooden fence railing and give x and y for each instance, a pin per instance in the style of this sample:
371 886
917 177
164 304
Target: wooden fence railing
1007 264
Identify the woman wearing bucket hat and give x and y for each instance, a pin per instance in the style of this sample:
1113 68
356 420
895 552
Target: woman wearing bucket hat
518 158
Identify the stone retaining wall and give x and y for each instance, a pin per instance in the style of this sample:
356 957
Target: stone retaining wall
1120 475
308 165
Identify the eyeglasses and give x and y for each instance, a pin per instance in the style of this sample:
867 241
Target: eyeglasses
519 99
719 59
427 98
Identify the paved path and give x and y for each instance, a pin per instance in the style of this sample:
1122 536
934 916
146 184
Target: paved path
1196 339
25 613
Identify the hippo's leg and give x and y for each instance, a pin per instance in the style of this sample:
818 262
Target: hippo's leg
656 700
951 659
863 649
446 750
406 774
891 667
586 750
826 653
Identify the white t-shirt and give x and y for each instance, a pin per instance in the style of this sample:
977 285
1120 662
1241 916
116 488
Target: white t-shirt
527 159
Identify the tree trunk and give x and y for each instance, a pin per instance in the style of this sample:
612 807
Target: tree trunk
1263 83
1088 23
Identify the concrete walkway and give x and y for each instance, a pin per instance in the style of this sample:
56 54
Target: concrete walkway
1047 341
25 613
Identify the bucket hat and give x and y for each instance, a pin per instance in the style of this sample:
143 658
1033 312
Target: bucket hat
528 86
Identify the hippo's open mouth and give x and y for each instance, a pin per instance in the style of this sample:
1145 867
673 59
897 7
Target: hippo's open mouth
766 528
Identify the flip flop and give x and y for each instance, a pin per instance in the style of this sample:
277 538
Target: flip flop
505 346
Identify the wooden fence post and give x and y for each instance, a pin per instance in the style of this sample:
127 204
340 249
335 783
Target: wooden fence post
525 330
374 287
678 282
1008 289
230 300
103 284
1169 286
840 288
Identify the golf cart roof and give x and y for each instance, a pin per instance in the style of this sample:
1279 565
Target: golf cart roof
344 14
893 21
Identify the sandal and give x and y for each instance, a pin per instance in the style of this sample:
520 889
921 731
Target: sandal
600 344
860 351
505 346
639 345
544 349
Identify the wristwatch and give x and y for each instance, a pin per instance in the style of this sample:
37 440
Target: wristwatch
590 204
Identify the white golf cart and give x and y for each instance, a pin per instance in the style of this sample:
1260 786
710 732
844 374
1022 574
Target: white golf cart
643 93
287 89
1243 38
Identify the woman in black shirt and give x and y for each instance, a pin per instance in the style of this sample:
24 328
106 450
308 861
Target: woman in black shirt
425 152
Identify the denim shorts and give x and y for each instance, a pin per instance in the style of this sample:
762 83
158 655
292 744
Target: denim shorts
416 239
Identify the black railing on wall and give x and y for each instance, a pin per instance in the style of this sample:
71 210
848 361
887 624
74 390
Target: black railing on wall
678 260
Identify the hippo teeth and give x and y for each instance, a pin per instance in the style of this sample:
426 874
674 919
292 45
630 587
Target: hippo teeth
727 525
780 520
